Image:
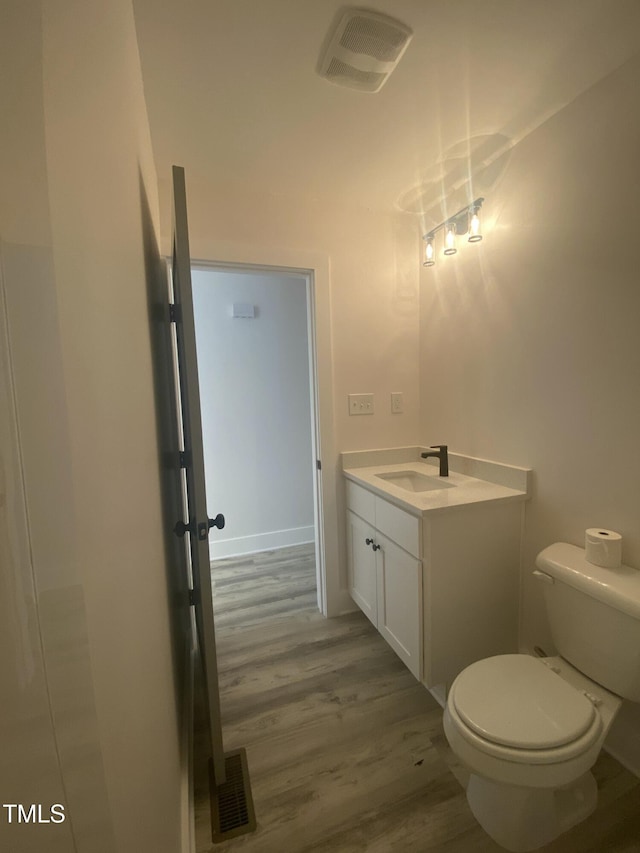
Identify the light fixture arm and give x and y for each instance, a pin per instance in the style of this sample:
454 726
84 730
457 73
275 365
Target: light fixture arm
456 219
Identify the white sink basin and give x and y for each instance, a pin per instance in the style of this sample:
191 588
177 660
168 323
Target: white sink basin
414 481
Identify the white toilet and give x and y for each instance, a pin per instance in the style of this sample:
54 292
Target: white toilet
529 729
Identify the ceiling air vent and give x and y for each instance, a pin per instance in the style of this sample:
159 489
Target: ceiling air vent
363 50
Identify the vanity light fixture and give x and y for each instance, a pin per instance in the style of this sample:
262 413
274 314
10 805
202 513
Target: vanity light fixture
466 220
450 239
429 252
475 231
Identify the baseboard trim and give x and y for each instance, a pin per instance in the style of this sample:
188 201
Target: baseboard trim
241 545
341 604
439 693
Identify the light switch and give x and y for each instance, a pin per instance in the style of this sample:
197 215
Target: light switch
360 404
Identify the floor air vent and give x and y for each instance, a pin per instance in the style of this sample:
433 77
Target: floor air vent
363 50
232 811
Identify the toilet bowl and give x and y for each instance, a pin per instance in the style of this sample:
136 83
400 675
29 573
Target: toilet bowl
529 729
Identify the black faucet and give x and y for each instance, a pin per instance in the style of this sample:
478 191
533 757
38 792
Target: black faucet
442 455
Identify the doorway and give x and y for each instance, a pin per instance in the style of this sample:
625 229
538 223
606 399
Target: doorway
258 390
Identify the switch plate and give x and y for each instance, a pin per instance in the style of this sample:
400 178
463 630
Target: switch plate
397 405
360 404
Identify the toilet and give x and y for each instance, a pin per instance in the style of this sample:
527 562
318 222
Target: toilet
529 729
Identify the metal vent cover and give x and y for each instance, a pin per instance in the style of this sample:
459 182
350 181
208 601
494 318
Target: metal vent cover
363 49
340 72
232 811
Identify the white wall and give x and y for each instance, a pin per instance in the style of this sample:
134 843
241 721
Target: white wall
89 668
28 738
373 281
530 352
256 421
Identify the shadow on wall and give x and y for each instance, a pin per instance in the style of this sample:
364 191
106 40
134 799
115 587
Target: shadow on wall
473 166
467 170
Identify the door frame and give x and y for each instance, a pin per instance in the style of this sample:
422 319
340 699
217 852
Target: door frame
316 275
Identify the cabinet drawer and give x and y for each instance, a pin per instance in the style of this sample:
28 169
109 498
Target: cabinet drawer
399 526
361 502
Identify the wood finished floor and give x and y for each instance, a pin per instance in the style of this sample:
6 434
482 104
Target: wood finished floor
346 749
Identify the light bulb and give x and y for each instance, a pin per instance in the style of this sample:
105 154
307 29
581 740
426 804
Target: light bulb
475 233
450 239
429 259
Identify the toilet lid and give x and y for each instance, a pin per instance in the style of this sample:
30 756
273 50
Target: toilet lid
516 700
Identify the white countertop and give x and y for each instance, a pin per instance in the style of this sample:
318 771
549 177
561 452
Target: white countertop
464 490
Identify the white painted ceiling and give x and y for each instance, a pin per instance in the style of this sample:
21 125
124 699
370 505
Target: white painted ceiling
234 97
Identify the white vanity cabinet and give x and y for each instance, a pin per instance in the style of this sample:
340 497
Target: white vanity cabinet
385 572
442 587
363 580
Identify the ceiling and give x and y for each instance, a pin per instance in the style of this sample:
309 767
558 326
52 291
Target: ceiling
233 94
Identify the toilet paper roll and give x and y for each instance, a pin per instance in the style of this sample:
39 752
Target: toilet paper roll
603 547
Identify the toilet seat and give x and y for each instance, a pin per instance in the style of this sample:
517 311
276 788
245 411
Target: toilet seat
517 701
515 708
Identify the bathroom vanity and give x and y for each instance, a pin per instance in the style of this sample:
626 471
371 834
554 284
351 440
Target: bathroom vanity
434 561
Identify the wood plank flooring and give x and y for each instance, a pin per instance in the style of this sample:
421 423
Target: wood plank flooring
345 748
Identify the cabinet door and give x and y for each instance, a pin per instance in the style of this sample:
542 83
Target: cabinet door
362 566
400 602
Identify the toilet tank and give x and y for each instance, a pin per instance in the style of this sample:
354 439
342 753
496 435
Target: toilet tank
594 614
